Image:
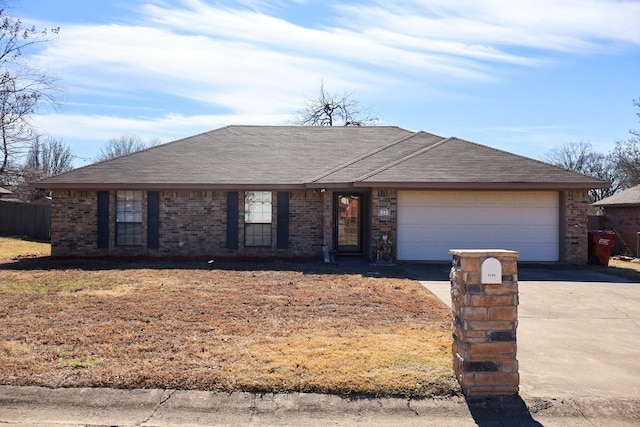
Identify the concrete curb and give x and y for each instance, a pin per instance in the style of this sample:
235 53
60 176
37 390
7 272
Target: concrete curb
36 406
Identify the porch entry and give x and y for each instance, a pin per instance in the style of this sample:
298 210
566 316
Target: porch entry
349 214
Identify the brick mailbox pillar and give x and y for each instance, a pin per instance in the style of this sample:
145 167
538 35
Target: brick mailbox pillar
484 299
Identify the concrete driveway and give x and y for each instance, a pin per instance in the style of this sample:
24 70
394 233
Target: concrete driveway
578 332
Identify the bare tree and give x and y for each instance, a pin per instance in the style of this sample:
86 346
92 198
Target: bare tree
627 156
603 166
333 109
580 157
48 158
124 144
45 158
22 87
574 156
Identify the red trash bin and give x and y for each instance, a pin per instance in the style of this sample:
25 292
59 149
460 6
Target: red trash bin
600 244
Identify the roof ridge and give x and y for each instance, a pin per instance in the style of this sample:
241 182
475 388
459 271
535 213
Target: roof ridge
403 159
364 156
309 126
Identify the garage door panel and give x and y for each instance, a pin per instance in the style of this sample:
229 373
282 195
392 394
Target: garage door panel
431 223
477 219
482 233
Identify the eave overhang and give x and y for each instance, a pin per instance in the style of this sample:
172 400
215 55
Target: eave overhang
616 205
524 186
168 186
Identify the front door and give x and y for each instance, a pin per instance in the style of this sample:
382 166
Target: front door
349 210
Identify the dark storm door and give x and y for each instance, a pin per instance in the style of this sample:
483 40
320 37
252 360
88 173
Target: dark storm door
349 210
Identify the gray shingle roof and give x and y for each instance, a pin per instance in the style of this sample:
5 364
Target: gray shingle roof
302 156
627 197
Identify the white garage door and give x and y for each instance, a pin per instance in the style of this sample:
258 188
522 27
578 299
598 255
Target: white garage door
432 222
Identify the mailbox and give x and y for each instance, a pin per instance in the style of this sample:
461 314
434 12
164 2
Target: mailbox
490 271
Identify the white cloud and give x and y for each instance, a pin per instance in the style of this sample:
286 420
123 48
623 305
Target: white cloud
550 25
206 52
242 58
86 133
167 127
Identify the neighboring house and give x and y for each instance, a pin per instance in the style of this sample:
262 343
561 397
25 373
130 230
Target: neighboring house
4 193
289 191
622 215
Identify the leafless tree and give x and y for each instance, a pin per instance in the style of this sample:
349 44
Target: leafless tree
334 109
46 157
22 88
49 157
627 156
580 157
124 144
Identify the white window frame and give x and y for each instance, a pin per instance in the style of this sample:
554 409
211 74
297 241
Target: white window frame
258 217
129 218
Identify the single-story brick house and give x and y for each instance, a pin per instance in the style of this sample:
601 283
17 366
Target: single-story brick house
289 191
622 215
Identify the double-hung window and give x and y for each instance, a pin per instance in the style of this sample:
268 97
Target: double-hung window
257 218
129 218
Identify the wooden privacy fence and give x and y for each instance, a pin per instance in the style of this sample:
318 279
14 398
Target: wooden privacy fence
596 222
25 219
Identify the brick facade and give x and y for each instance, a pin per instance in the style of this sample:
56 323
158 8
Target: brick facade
327 223
194 223
74 223
574 226
384 213
384 216
625 221
306 224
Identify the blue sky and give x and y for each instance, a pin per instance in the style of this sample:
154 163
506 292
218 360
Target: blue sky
523 76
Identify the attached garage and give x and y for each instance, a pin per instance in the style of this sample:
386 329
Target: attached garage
432 222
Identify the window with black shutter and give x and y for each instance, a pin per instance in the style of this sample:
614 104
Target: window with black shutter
283 220
232 220
103 219
153 220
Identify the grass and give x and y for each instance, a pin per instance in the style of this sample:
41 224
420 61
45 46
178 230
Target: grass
626 269
12 248
240 327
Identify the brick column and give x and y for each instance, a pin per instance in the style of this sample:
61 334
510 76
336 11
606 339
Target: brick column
485 317
327 215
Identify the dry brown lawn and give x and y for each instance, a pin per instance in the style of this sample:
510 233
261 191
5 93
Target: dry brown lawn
626 269
270 327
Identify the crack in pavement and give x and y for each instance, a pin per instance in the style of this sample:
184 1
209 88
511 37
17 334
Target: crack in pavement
253 409
415 411
581 412
633 322
158 406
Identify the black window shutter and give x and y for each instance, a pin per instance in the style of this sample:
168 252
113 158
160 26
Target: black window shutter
103 220
283 220
232 220
153 220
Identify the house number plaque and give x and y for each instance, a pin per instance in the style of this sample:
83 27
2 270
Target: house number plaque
384 213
